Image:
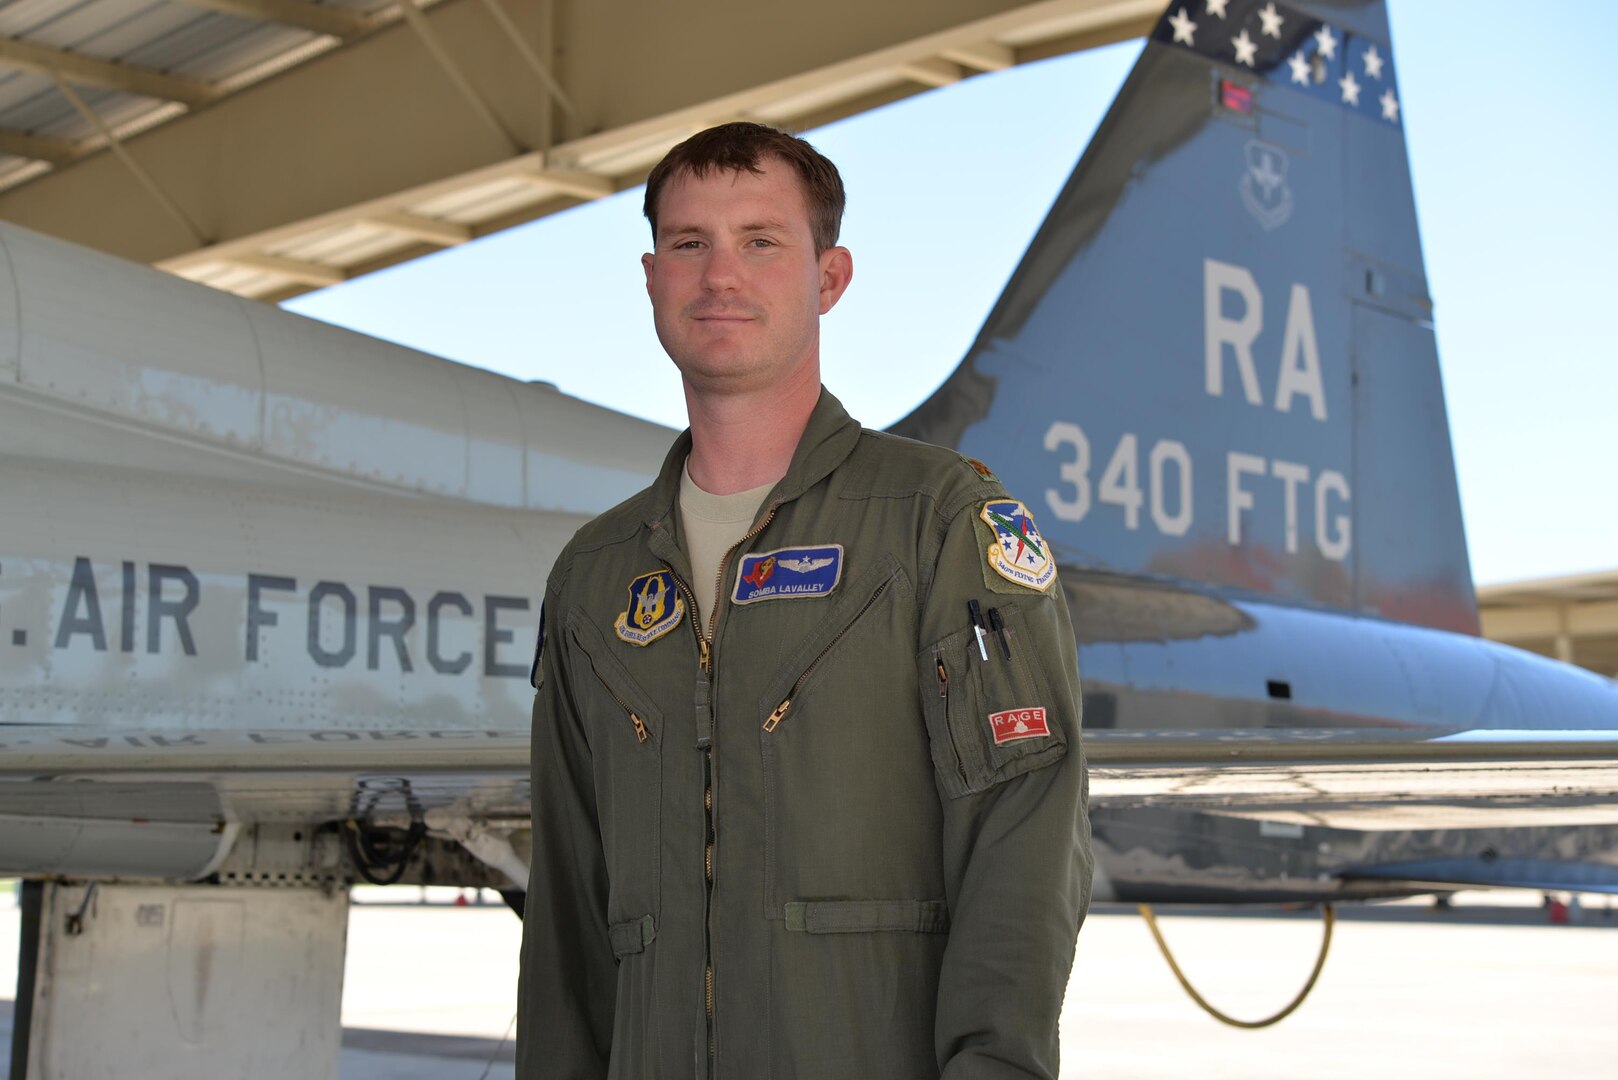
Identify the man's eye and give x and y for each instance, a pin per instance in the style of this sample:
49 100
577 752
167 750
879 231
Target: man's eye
762 242
687 245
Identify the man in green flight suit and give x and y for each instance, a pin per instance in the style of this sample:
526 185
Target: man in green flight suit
808 793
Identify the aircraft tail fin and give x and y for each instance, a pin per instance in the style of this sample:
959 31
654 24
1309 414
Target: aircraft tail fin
1216 360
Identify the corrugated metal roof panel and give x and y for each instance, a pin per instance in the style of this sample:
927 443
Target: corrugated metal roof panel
123 39
347 245
455 202
21 88
25 17
186 34
254 45
316 246
57 118
79 28
236 279
23 174
498 203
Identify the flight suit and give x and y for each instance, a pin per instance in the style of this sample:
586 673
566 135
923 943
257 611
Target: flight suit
820 836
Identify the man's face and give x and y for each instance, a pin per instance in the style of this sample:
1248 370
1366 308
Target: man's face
737 289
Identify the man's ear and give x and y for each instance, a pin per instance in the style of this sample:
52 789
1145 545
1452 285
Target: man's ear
647 261
836 271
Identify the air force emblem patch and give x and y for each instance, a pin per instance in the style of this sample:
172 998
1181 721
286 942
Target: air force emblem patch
655 608
788 572
1018 553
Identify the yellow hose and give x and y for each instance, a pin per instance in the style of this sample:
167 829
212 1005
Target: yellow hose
1329 916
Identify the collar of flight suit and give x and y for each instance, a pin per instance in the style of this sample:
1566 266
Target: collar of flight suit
826 443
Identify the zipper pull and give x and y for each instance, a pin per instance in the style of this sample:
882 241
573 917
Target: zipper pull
775 717
702 653
641 733
943 678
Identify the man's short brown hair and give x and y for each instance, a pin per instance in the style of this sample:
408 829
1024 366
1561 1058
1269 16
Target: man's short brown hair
741 146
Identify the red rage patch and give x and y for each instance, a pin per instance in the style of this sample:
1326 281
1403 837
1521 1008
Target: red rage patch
1014 724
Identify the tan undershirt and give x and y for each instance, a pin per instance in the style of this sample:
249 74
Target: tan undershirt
710 524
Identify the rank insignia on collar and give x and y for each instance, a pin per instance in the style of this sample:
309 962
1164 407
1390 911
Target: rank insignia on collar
788 572
1019 553
655 608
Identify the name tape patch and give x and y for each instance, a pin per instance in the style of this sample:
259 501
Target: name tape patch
788 572
1015 724
655 608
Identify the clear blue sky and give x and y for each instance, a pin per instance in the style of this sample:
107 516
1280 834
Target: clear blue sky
1508 113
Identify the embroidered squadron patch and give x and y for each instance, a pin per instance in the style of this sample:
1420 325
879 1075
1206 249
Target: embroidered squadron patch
788 572
1015 724
655 608
1018 553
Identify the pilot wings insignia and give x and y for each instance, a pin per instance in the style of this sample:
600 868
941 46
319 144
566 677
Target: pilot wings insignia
805 565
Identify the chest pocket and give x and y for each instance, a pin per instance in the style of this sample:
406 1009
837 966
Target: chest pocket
848 796
990 719
625 729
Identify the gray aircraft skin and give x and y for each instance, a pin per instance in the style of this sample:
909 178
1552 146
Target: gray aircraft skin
1214 379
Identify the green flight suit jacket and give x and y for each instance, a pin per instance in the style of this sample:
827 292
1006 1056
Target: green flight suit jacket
900 860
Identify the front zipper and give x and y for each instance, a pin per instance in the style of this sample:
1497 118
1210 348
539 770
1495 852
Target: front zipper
775 717
705 659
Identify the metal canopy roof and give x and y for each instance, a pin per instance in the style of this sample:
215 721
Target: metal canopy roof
1574 619
268 147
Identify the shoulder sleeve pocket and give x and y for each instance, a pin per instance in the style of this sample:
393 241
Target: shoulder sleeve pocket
990 719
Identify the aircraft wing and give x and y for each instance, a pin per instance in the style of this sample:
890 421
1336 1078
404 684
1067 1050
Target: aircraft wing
1360 779
171 804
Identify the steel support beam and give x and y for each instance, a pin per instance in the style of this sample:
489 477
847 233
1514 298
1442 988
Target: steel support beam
38 147
88 71
580 185
932 72
318 275
982 56
429 230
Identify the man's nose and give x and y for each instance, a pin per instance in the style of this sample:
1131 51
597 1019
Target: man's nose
721 270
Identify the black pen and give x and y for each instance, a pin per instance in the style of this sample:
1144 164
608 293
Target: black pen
973 610
998 625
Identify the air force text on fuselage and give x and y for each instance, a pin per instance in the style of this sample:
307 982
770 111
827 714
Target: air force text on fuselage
158 609
1159 492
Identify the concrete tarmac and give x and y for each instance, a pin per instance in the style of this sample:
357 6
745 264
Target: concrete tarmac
1488 989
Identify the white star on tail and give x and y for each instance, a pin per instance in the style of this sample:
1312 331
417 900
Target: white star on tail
1217 7
1246 49
1390 105
1351 89
1271 20
1373 62
1328 43
1300 68
1184 27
